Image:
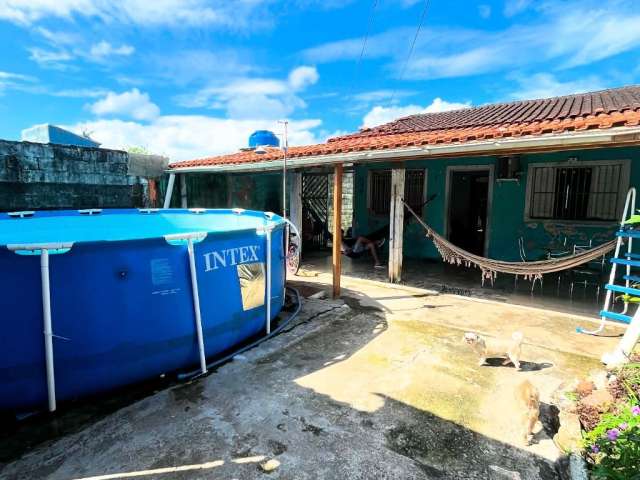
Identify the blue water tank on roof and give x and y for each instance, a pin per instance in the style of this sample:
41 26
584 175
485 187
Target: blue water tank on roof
263 138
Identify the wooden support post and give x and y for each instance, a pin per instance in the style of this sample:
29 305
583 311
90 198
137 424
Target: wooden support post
337 225
183 190
396 225
152 193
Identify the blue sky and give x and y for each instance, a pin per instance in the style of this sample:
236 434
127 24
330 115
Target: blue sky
191 78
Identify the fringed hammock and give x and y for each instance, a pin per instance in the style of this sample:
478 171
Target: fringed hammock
490 267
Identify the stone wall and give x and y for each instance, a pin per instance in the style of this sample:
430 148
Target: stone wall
347 202
35 176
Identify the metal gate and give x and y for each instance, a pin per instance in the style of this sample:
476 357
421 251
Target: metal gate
315 210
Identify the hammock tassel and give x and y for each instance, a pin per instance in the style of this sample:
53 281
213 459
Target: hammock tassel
489 267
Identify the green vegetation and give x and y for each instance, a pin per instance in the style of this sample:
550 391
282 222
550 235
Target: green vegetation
614 444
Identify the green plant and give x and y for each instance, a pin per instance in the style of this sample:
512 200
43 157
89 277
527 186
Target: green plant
614 444
629 298
573 396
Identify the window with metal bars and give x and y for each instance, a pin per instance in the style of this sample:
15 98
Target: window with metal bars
575 192
380 190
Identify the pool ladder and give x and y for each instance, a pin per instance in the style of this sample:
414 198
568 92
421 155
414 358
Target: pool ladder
629 260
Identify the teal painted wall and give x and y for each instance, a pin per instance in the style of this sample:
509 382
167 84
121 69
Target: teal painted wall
506 222
263 191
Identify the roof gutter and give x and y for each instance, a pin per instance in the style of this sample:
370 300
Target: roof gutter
593 138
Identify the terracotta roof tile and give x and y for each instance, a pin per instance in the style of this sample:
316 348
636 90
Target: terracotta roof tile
600 110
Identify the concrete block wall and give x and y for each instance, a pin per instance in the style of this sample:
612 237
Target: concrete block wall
347 201
35 176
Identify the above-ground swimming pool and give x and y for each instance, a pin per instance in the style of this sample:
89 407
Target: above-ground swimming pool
92 300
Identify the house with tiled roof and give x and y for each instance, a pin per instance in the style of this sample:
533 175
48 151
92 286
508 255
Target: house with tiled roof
502 180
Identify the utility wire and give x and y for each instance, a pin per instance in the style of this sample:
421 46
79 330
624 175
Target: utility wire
413 45
364 44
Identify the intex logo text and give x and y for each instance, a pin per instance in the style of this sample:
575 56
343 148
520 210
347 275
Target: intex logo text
229 257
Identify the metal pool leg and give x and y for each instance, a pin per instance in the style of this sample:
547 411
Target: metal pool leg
169 192
48 333
196 304
268 229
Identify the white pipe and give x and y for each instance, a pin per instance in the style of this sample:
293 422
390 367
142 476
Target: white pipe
268 229
631 193
622 352
196 304
48 333
295 229
169 192
183 192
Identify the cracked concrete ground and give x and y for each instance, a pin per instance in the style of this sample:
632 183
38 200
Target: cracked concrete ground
380 386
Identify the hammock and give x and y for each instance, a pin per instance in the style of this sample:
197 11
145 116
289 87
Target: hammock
490 267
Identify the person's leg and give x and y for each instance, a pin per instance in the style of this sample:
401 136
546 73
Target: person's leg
372 248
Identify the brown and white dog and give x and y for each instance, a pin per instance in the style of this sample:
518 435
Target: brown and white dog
496 347
528 402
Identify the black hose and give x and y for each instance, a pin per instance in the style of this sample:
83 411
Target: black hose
226 358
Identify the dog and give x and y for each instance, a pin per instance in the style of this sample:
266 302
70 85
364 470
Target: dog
496 347
528 400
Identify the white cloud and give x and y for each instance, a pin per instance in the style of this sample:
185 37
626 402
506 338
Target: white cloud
102 50
544 85
49 57
59 38
184 137
80 93
471 62
232 14
361 102
302 77
484 10
562 35
514 7
133 104
379 115
63 47
250 98
610 34
199 66
9 80
382 94
387 44
13 76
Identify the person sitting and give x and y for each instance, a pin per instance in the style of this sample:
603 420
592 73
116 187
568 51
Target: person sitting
356 247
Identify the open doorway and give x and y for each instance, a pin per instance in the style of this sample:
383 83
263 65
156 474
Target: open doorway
468 200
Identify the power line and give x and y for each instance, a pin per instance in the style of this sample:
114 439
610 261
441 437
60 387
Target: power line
364 43
413 45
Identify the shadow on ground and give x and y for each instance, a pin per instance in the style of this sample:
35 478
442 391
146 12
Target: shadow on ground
273 403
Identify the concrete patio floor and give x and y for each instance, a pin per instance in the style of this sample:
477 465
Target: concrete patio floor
436 275
376 385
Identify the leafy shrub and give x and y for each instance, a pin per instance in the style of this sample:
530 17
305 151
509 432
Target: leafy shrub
614 444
